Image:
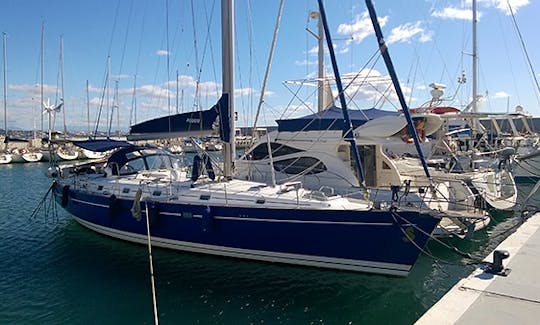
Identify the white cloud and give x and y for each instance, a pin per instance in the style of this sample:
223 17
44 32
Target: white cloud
238 92
515 4
34 90
360 28
162 53
405 32
305 62
501 94
314 50
453 13
121 76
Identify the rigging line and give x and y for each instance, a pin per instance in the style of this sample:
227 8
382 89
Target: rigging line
113 27
524 48
197 67
100 109
168 63
141 39
269 63
208 44
126 38
373 57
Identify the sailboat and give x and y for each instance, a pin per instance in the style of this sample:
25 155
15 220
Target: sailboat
13 154
142 188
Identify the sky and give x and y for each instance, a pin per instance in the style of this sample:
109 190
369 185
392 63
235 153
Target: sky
163 56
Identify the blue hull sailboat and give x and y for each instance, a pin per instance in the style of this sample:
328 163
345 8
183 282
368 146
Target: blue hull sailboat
142 194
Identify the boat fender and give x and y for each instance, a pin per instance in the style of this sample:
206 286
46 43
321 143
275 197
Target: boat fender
209 168
65 195
153 212
395 192
113 205
196 168
207 219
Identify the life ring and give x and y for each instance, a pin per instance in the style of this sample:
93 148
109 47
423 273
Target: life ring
419 126
405 137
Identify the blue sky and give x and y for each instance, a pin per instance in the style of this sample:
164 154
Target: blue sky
430 41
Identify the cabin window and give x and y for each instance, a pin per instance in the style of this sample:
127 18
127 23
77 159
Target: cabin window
158 162
125 190
156 193
100 187
204 197
133 166
260 201
302 165
261 151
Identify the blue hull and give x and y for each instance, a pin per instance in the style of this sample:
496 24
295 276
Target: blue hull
374 241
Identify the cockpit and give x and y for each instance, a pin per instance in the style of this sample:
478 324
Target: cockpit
131 160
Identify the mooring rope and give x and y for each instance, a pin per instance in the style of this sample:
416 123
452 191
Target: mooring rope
43 204
154 301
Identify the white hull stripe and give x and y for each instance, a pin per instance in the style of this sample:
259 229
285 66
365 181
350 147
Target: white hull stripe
309 221
349 223
89 203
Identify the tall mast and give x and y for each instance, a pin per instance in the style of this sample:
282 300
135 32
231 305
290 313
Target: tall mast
88 105
227 35
62 82
4 59
107 91
475 60
177 89
42 64
321 101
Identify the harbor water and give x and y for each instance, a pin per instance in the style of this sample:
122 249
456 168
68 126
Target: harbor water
54 271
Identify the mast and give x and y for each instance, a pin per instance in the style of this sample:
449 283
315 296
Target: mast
474 60
177 89
227 35
390 66
4 59
348 131
134 102
88 105
321 101
107 91
62 82
42 63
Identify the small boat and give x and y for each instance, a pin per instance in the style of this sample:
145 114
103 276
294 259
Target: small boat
17 156
32 156
67 153
5 158
88 154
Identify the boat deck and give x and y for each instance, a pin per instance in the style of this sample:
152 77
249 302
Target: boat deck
484 298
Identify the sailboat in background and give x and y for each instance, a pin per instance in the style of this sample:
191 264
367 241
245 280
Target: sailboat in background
141 195
15 150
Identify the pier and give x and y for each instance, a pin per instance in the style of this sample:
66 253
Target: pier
488 298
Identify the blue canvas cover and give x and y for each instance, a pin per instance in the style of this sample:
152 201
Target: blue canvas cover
101 145
199 124
331 119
